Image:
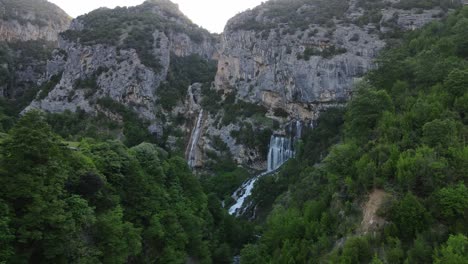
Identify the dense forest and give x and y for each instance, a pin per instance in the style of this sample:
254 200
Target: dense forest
99 201
78 188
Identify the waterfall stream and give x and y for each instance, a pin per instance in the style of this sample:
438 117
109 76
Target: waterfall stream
281 150
192 155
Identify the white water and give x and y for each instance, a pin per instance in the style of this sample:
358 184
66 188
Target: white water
192 156
281 150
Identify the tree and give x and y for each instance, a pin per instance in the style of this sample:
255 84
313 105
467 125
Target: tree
454 251
364 111
440 133
6 235
356 250
421 170
456 82
452 202
410 216
117 239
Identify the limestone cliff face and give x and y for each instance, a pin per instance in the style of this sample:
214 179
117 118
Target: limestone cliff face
294 68
91 71
31 20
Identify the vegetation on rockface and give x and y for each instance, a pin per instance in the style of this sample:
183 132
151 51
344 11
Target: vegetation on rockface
183 72
297 14
133 27
327 52
101 202
18 56
20 10
17 93
405 132
113 121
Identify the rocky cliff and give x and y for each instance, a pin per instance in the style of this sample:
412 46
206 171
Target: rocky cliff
296 54
25 20
124 55
278 64
296 58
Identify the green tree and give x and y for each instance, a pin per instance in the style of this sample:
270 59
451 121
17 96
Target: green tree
6 235
454 251
410 216
452 203
117 239
356 250
364 111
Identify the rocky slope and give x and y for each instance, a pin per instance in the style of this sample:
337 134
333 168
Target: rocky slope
25 20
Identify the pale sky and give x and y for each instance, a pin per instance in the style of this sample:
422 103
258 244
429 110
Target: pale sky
210 14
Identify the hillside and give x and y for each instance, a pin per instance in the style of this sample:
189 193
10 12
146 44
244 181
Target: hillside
404 136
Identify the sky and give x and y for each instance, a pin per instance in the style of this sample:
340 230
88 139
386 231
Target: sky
209 14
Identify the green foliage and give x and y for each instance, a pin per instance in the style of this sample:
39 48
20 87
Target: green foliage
119 239
311 12
234 110
404 132
48 86
365 110
327 52
6 236
100 202
356 250
410 216
454 251
184 71
255 139
452 203
134 128
427 4
133 27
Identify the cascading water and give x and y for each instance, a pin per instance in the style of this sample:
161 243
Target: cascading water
281 150
192 155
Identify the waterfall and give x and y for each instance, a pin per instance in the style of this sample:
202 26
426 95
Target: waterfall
281 150
192 155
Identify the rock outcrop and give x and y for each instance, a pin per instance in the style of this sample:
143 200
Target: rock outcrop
128 71
31 20
268 58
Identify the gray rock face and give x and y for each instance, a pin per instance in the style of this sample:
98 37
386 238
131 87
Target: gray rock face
31 20
119 74
292 68
14 30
